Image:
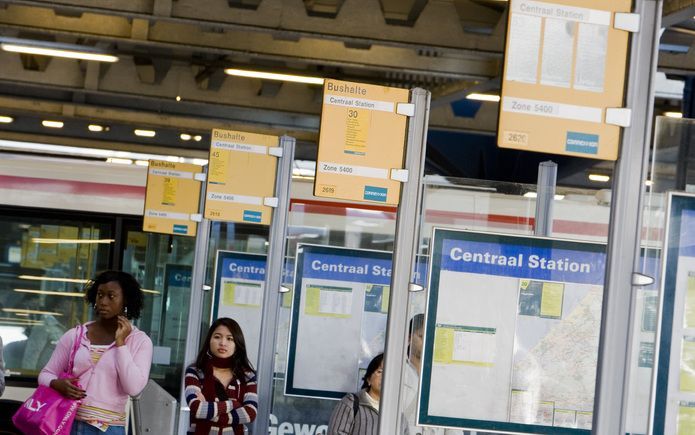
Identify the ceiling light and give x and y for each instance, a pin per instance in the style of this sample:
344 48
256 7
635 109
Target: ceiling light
45 48
142 163
197 138
119 161
41 148
556 197
145 133
185 136
22 310
178 98
52 124
71 241
153 292
48 278
673 114
274 76
599 177
48 292
483 97
6 119
95 127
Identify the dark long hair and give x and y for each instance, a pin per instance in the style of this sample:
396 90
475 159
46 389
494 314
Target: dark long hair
133 297
238 362
371 368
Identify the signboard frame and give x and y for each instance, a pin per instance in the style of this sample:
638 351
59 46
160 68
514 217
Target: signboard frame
671 332
362 138
236 157
559 106
439 236
171 217
290 388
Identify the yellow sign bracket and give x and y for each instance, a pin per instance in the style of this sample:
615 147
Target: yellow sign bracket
270 201
620 116
275 151
627 21
399 175
406 109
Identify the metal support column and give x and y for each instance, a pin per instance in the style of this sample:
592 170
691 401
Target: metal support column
610 406
195 308
545 194
404 251
273 280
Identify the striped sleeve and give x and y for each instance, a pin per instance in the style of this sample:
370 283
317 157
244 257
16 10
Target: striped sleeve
342 419
245 412
201 409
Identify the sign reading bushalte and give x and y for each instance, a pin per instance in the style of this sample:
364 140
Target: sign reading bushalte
241 175
171 197
564 66
361 139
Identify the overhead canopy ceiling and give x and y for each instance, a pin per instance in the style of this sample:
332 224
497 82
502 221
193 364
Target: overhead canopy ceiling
180 48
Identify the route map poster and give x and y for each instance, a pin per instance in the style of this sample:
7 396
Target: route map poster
512 331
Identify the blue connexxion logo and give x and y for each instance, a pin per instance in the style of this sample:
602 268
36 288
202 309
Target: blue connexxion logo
252 216
581 143
180 229
375 193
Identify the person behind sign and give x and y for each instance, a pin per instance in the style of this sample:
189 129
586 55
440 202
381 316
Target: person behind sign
113 358
358 413
221 384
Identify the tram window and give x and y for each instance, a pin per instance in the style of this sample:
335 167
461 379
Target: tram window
44 263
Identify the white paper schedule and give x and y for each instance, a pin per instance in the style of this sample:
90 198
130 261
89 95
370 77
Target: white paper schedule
558 45
524 46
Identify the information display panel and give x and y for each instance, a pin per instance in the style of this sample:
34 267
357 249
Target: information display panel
511 335
674 409
177 292
239 285
360 140
564 66
241 175
338 320
172 195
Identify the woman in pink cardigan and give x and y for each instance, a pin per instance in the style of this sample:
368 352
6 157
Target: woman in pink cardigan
113 359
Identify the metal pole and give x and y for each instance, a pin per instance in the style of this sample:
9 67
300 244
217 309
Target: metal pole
273 279
195 308
545 194
404 252
610 406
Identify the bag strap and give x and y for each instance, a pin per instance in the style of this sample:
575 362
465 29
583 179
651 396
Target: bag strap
355 404
75 346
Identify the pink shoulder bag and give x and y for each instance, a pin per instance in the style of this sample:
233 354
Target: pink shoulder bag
47 412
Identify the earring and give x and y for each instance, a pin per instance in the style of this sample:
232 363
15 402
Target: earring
125 311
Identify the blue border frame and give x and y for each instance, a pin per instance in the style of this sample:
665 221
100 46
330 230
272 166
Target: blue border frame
435 265
290 389
672 246
221 256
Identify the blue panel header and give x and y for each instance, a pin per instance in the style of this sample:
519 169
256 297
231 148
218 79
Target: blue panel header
523 261
244 268
347 268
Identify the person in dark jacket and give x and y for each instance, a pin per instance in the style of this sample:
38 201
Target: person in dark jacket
358 414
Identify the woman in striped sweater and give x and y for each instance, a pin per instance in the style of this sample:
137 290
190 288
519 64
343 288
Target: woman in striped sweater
221 385
358 414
